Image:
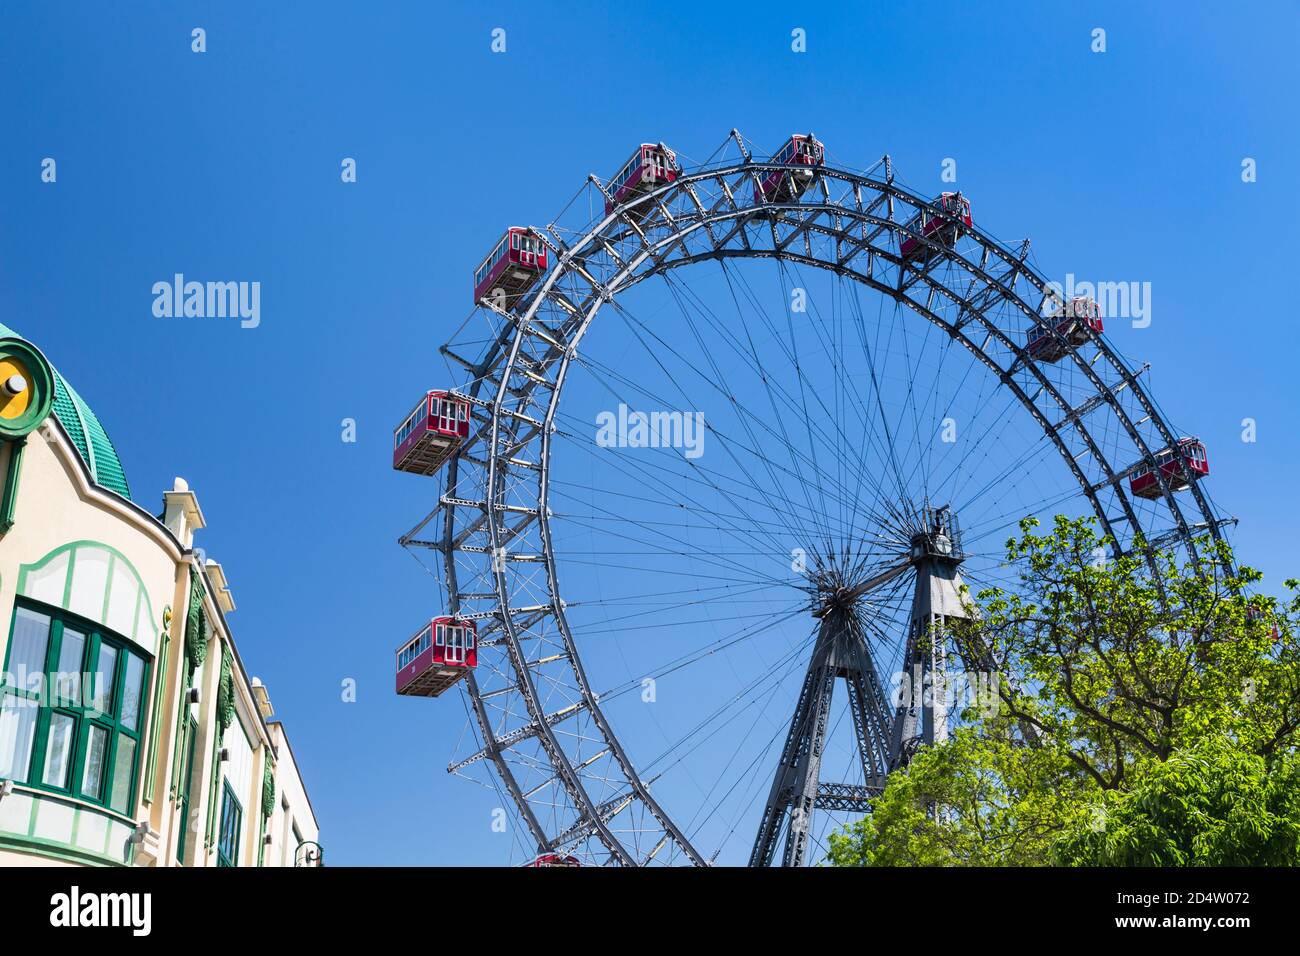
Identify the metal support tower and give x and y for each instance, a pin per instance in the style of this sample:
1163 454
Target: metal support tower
840 652
887 736
922 705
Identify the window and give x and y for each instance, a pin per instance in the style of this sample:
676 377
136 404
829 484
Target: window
629 172
414 420
67 681
231 815
493 258
71 708
459 641
413 650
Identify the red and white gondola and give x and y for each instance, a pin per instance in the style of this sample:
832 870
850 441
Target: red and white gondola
512 267
805 153
1072 320
1181 465
442 653
431 434
650 167
943 229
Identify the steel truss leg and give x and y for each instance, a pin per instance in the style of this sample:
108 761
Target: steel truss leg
921 714
840 651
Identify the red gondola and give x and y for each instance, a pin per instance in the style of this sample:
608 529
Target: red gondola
1181 465
1255 614
513 266
650 167
554 859
1072 320
941 229
442 653
431 433
787 185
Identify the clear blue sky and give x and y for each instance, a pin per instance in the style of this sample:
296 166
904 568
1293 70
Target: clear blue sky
225 165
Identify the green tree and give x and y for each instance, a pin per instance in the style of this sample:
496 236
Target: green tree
1211 804
1147 712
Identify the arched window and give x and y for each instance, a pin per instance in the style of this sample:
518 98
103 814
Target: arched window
96 582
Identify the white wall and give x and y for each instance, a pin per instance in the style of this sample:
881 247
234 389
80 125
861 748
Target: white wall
238 770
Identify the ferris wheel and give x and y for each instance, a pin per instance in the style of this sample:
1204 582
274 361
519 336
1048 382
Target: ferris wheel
720 437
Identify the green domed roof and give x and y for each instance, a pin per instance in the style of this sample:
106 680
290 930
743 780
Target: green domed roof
87 434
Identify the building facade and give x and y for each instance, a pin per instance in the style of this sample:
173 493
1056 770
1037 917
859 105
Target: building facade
131 733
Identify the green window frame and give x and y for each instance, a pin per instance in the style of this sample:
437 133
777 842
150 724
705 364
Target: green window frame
232 813
187 784
79 728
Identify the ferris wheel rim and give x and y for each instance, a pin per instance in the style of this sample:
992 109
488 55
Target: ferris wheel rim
888 229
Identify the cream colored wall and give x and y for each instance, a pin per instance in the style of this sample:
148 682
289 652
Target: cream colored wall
10 858
288 789
246 739
200 852
57 506
163 812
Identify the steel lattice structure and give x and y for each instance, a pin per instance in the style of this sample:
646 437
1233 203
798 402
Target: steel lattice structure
538 718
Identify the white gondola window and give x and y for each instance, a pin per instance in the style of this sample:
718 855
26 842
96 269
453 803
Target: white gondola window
414 421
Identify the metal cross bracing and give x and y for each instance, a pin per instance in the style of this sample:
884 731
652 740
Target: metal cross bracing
539 721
